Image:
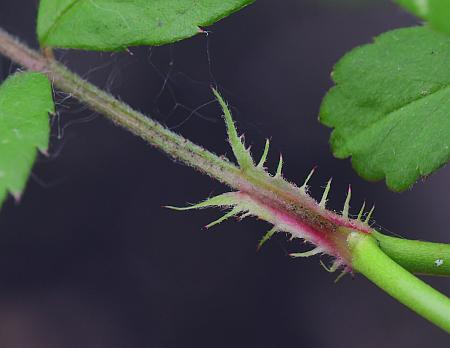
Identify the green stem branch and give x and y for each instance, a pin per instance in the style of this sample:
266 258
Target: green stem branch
416 256
369 260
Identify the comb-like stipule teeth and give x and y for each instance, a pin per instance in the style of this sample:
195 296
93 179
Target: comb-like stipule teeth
287 207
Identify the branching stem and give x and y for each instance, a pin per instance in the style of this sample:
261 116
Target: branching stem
366 253
417 256
368 259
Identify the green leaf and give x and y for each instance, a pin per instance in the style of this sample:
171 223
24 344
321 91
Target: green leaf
437 12
390 108
109 25
25 102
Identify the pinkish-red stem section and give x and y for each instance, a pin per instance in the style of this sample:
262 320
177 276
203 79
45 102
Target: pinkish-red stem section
293 211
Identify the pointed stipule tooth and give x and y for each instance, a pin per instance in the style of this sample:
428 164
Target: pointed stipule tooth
361 211
312 252
347 202
305 184
280 167
323 200
369 215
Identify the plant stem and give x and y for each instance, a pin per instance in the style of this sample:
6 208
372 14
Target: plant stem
369 260
120 113
416 256
179 148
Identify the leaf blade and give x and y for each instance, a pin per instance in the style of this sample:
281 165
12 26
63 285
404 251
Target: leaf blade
389 106
25 102
108 25
437 12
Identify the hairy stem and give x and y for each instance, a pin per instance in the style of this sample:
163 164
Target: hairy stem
120 113
369 260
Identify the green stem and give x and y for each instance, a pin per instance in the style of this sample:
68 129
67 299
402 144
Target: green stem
416 256
369 260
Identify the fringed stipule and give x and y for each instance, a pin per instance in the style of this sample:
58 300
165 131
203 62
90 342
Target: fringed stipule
287 207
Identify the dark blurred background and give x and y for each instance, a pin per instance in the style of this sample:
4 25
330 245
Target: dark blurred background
90 259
